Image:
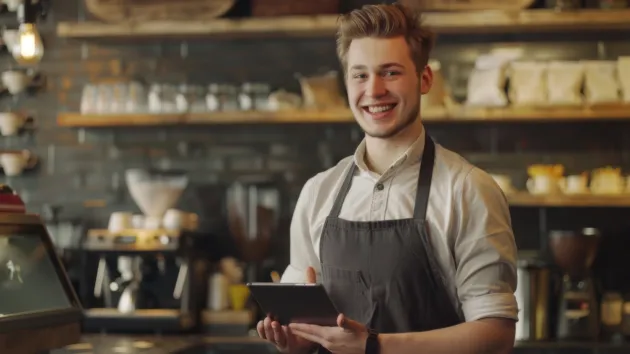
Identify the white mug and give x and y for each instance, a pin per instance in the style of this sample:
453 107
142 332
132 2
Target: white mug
13 163
16 81
175 220
11 122
575 184
542 184
10 38
119 221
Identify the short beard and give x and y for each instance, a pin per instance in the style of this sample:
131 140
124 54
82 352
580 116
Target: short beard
409 119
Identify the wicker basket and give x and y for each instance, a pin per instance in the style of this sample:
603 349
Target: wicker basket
156 10
263 8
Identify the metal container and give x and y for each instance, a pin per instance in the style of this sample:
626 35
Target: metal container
532 295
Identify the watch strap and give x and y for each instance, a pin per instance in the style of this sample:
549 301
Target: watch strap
372 346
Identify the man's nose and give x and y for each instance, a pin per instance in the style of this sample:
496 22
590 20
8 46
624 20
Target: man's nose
376 87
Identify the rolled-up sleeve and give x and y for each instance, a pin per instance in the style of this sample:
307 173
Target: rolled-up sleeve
301 244
485 250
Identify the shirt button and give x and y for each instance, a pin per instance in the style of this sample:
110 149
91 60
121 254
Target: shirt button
380 186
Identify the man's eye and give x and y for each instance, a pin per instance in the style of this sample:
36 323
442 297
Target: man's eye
359 76
391 73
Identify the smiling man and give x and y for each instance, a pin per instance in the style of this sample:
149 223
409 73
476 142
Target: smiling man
413 244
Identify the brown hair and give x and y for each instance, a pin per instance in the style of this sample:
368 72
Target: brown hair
386 21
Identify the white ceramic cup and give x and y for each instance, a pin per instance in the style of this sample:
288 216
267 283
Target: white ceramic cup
14 163
175 220
542 184
11 122
120 220
574 184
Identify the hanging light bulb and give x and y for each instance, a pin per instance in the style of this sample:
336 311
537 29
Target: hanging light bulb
28 49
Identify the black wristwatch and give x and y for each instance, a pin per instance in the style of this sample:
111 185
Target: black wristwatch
372 346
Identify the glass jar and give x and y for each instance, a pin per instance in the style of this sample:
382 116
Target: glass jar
197 102
254 97
228 98
154 99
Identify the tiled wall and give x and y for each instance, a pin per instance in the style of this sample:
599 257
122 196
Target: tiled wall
79 165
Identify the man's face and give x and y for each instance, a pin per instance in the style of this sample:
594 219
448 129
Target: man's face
383 86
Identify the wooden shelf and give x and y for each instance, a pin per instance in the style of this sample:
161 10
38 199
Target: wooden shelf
121 120
244 317
296 26
524 114
338 116
527 200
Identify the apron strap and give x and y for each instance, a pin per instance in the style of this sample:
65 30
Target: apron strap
424 179
343 192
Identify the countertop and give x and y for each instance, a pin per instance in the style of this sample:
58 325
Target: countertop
200 344
163 344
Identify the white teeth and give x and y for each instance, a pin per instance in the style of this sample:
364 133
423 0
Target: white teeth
379 109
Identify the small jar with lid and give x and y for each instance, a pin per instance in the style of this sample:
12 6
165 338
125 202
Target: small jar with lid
213 103
197 102
169 98
155 98
182 99
254 96
228 98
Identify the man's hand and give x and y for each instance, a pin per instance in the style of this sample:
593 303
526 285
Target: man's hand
349 337
282 336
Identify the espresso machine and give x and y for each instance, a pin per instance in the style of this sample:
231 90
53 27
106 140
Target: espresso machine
578 313
151 275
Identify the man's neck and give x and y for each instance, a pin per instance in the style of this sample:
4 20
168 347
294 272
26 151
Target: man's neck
380 154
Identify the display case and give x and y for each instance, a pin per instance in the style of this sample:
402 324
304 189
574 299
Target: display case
39 310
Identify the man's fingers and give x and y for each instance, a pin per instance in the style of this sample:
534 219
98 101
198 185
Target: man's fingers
311 276
348 324
281 339
268 330
260 327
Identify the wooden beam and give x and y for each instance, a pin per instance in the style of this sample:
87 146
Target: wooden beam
297 26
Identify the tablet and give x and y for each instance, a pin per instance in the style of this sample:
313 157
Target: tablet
295 303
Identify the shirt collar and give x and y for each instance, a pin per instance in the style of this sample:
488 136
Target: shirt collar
411 155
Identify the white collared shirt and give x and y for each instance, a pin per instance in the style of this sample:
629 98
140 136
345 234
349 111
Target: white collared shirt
468 219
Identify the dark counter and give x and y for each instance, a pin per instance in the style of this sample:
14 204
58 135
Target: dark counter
128 344
198 344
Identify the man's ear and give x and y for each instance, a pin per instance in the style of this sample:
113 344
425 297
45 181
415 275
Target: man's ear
426 80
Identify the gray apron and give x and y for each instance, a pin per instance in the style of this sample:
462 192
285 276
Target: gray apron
384 274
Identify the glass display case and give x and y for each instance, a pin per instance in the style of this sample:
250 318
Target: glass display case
39 310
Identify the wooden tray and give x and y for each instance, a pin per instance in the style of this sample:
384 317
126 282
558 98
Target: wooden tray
468 5
157 10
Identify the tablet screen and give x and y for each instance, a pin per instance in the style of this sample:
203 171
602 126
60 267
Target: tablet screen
295 303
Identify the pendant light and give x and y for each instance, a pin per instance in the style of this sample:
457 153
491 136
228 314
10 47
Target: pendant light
28 49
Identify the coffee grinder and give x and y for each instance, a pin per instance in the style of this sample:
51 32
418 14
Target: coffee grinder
574 253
